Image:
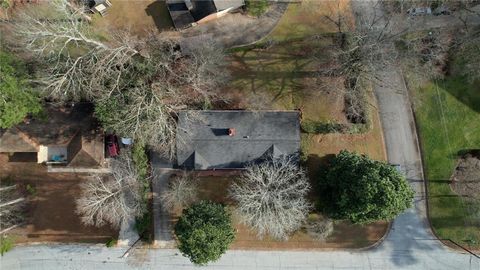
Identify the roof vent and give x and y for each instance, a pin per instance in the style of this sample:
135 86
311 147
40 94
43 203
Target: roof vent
231 132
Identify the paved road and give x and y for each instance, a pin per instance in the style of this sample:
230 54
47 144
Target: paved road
409 245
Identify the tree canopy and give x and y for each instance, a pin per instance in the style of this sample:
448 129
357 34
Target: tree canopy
271 197
138 84
363 190
204 231
17 100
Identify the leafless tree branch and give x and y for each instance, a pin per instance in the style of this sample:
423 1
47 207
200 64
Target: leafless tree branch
271 197
114 198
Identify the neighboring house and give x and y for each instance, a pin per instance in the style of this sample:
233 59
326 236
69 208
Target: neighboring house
210 140
67 136
185 13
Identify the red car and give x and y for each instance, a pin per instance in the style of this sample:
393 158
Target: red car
113 147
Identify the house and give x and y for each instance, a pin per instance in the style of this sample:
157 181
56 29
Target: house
185 13
211 140
67 136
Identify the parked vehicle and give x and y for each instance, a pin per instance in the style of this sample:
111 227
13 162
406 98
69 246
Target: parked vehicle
419 11
441 10
113 147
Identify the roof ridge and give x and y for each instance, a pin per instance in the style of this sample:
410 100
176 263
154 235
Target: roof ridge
200 158
85 152
28 139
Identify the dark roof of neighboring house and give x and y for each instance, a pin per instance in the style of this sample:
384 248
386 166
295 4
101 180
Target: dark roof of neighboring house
183 17
180 14
86 150
202 9
203 141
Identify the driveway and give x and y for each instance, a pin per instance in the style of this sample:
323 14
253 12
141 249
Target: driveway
161 171
237 29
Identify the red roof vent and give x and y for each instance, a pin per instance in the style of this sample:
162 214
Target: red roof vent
231 132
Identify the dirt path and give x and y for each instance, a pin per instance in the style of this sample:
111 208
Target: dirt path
237 29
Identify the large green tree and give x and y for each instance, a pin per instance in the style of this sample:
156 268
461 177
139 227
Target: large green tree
16 98
363 190
204 232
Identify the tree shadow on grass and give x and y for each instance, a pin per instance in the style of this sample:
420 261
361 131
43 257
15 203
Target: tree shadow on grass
467 93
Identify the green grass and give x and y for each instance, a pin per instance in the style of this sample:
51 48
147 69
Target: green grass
31 190
256 7
6 244
448 114
281 76
111 242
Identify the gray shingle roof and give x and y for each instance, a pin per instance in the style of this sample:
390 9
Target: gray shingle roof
203 141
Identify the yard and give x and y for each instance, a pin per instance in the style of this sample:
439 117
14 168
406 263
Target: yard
345 235
138 17
448 116
50 214
281 73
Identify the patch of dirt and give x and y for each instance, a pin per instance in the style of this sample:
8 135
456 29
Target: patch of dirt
138 17
50 213
466 177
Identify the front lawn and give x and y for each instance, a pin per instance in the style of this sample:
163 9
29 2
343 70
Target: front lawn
448 116
345 235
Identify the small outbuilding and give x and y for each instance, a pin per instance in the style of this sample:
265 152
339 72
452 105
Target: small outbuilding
211 140
185 13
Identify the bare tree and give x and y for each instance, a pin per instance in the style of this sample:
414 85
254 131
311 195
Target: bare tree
425 55
271 197
138 84
359 52
77 64
466 46
12 207
114 198
182 192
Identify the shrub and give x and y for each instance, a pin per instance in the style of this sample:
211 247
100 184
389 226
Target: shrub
31 190
140 159
182 192
319 229
323 127
143 226
204 232
363 190
256 7
111 242
6 244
